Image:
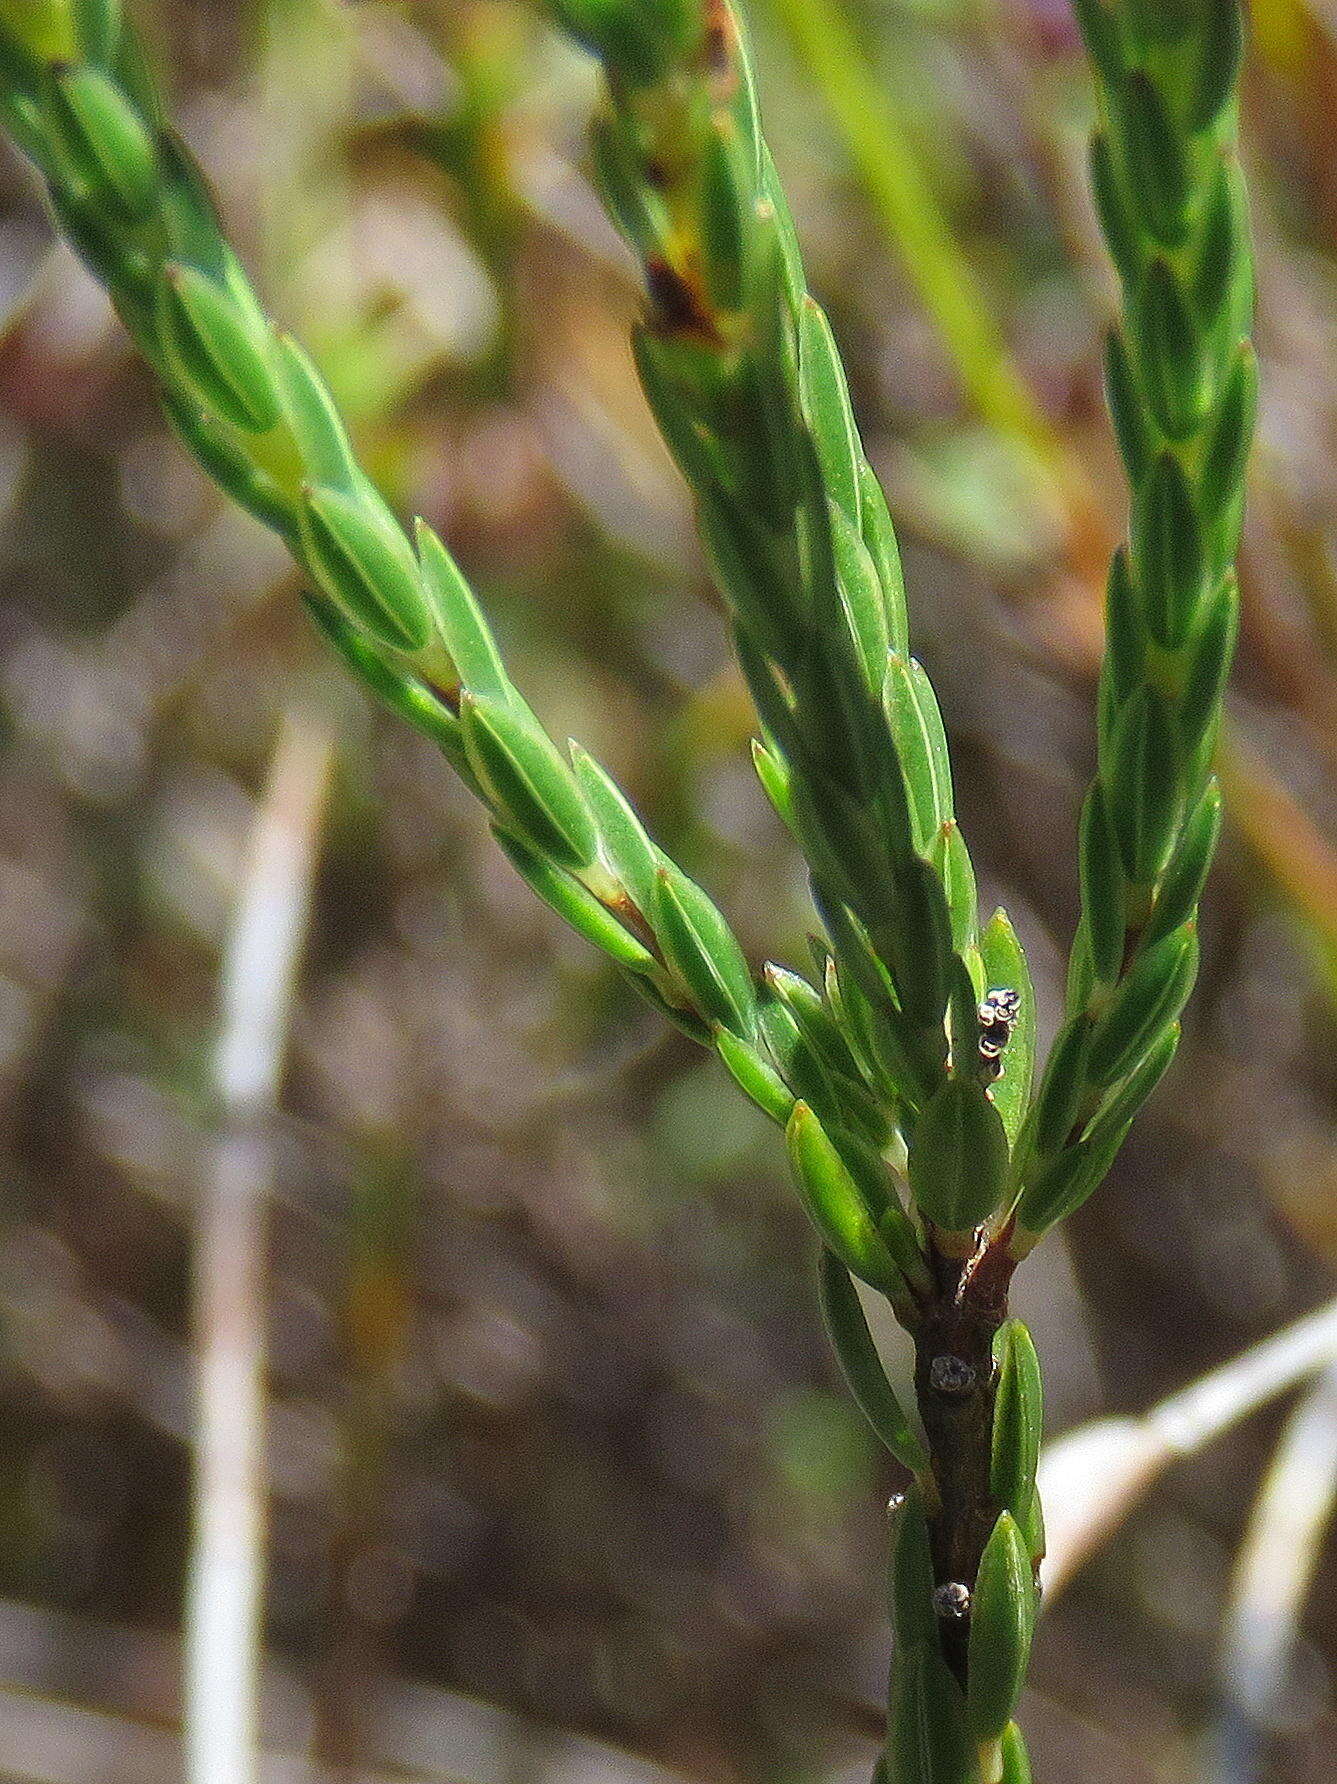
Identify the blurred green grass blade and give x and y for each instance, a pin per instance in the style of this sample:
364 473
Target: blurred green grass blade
888 164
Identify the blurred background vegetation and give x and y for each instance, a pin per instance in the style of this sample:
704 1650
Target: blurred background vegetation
551 1420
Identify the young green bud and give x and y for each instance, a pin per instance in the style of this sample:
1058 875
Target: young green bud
1062 1086
528 784
681 411
1220 248
1142 784
216 450
757 1080
860 595
1182 882
1219 45
1227 454
921 746
1005 966
862 1368
801 1066
918 943
1168 551
1103 888
814 1019
459 620
321 438
576 904
1124 667
626 848
773 773
826 408
1155 156
636 209
874 1180
1116 222
1058 1187
1123 1102
1017 1415
401 690
363 562
103 138
1033 1529
1213 650
880 537
949 858
1169 351
1016 1765
1126 408
728 214
217 349
836 1207
701 948
1146 1003
926 1732
1001 1626
1102 33
910 1572
958 1157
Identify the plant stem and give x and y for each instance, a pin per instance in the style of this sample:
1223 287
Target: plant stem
1095 1475
225 1569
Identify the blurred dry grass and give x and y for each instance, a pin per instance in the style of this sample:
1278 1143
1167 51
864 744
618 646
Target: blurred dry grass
603 1475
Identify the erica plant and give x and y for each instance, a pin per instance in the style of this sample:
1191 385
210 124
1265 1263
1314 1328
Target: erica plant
902 1067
